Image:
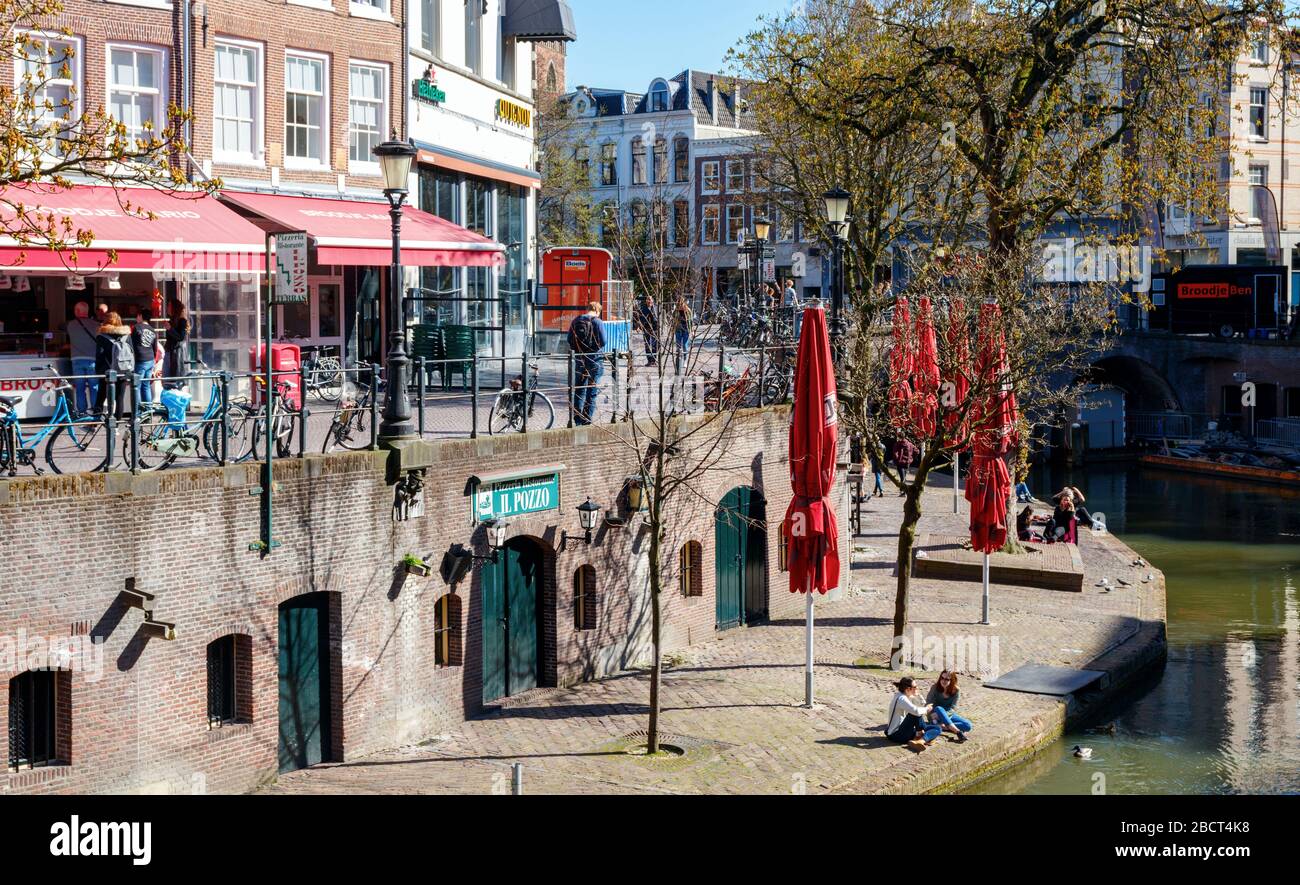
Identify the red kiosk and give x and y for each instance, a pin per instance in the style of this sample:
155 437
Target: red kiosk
574 277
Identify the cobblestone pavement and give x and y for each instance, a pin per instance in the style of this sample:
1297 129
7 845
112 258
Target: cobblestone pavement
733 704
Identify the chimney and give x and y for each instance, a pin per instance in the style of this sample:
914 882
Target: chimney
713 100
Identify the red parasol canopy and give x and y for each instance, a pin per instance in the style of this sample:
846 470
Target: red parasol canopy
810 529
959 370
925 372
900 367
993 422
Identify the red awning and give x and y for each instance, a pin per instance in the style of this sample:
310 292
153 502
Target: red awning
351 232
189 232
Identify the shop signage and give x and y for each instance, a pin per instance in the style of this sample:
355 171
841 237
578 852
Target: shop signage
291 268
513 114
517 497
769 270
426 88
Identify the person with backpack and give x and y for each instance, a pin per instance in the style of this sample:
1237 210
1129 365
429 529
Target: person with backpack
647 323
907 719
113 353
144 340
587 343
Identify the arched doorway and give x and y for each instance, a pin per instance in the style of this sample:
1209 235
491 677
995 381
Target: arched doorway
740 558
513 589
306 735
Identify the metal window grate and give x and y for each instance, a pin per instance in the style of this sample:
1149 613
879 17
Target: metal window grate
221 682
33 706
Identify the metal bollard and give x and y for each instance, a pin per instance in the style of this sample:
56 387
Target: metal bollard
224 380
110 418
473 398
613 418
420 392
627 397
133 398
303 414
374 407
525 389
573 403
762 367
517 779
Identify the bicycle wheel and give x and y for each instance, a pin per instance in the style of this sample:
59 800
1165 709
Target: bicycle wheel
506 415
160 443
328 380
351 429
541 414
77 447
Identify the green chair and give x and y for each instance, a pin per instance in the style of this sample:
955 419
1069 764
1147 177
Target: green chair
428 341
460 350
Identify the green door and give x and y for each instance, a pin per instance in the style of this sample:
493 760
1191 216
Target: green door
741 559
511 625
304 682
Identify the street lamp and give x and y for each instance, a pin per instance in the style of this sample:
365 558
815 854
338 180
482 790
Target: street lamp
588 516
395 159
762 229
837 218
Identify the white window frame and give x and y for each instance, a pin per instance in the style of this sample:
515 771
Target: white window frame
302 162
1250 107
1256 57
1262 168
370 167
380 10
475 65
739 236
716 212
744 179
160 92
436 49
327 5
704 176
77 69
146 4
258 155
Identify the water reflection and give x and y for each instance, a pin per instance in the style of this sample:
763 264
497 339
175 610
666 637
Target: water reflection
1225 715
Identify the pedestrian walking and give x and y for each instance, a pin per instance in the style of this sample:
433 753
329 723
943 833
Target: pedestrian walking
647 323
878 469
683 319
587 343
82 331
144 341
905 453
113 352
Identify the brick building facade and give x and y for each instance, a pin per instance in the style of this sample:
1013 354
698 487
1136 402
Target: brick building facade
140 720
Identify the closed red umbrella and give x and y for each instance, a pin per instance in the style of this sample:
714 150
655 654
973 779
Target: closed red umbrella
810 529
993 423
900 367
956 417
925 373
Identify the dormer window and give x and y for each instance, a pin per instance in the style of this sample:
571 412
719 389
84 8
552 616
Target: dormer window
658 97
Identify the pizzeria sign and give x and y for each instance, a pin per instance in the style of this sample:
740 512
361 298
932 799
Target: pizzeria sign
509 496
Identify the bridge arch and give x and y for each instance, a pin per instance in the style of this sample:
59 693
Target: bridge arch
1145 388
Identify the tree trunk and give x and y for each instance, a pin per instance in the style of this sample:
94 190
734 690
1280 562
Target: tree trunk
656 668
906 544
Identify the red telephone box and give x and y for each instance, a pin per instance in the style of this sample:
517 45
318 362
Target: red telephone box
286 363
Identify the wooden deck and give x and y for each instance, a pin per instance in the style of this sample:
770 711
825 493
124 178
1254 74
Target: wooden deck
1049 566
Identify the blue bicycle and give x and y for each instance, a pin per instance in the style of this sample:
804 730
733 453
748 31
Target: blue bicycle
167 433
73 442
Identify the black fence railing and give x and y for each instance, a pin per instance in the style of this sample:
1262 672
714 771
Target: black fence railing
122 422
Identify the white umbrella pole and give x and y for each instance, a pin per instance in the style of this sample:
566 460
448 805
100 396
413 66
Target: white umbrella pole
956 482
986 621
808 676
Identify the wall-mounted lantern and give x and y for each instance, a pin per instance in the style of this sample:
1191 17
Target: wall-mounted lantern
635 494
588 517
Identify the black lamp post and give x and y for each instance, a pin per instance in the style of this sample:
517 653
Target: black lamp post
395 158
837 218
762 230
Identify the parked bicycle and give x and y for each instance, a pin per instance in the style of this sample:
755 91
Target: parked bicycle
323 373
509 410
68 435
353 423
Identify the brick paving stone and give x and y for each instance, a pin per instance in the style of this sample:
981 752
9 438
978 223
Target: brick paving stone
737 697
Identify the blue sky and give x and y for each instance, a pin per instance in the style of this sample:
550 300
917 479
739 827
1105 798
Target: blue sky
625 45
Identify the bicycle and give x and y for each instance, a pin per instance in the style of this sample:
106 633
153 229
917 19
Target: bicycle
508 411
323 374
67 435
352 424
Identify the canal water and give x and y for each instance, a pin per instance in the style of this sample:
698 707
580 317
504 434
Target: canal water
1224 716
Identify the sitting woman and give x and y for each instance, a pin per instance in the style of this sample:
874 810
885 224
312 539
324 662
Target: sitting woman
943 704
1058 527
1080 512
907 723
1024 522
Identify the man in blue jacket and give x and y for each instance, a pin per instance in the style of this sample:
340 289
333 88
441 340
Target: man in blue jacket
587 342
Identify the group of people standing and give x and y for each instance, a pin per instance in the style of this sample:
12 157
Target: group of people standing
649 323
106 344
